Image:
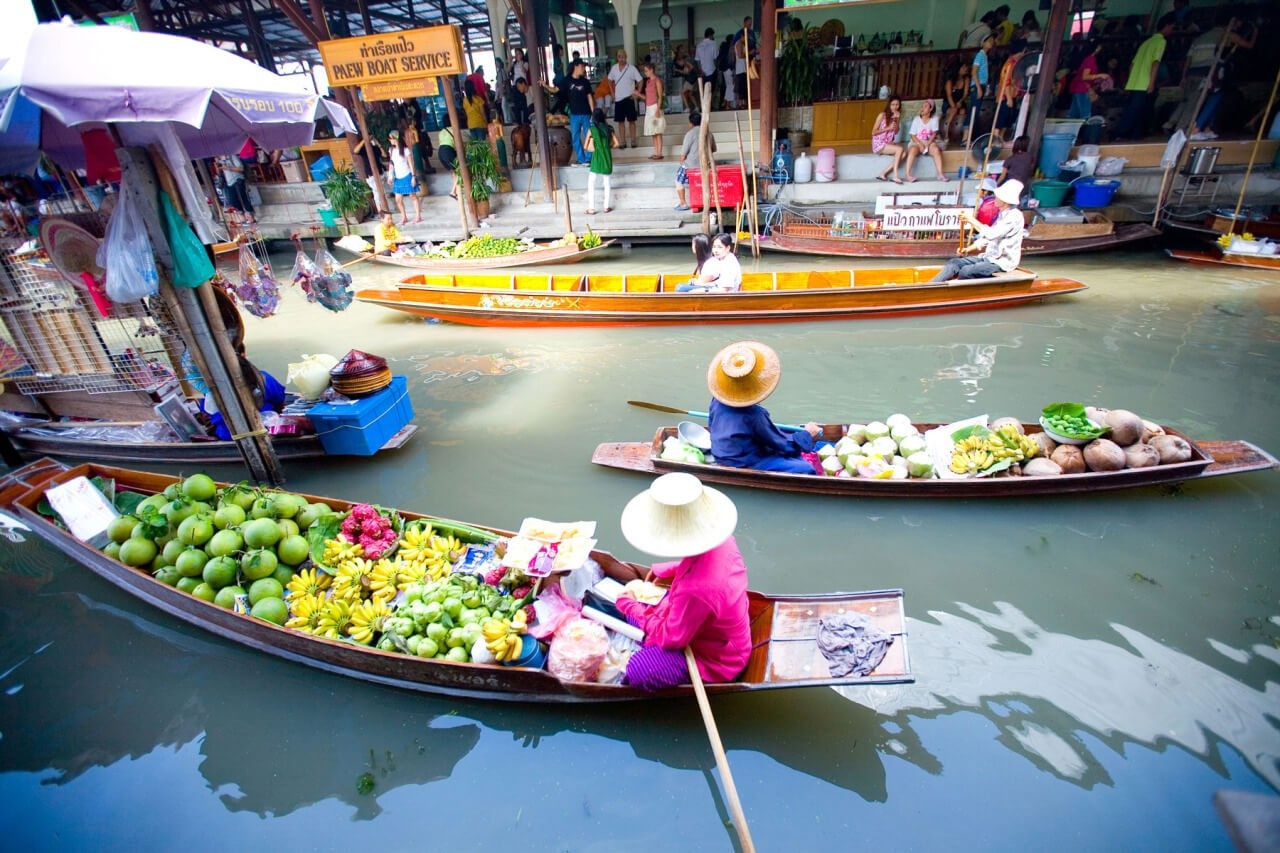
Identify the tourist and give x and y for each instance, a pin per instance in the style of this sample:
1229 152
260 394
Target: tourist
1029 30
724 264
701 281
884 137
473 104
581 104
978 78
624 79
1008 92
1019 166
235 187
1218 75
601 140
704 608
1003 28
404 183
1000 243
1140 88
520 103
976 33
655 121
1085 82
477 81
691 157
725 63
448 155
743 435
705 55
954 91
687 70
924 140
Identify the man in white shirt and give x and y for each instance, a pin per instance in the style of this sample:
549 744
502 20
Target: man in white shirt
1000 242
705 54
625 78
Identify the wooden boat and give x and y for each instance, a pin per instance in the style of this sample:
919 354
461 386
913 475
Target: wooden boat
651 299
1216 257
818 234
34 443
529 258
784 628
1208 459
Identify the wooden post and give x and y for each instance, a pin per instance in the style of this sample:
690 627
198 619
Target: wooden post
704 156
244 422
460 143
1059 16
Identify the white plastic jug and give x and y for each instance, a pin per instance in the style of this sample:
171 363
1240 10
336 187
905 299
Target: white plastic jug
826 168
803 169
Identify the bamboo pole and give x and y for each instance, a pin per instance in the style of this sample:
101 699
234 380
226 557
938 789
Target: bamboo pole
751 142
722 760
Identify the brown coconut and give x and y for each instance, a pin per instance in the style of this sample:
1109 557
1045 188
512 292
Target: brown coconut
1150 430
1172 448
1040 467
1047 445
1068 458
1095 414
1141 456
1126 427
1102 454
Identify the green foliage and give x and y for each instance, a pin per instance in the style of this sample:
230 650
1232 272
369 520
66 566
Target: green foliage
483 167
798 67
380 125
348 193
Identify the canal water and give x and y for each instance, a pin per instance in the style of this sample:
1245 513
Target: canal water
1090 670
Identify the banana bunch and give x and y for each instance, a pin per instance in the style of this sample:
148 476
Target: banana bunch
504 638
415 544
971 455
444 551
354 581
335 619
308 582
340 549
1007 442
367 619
306 612
979 452
384 580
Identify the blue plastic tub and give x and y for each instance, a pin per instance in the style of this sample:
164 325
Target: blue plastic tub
1054 148
1091 192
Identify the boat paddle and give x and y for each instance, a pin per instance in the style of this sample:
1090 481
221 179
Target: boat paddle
658 407
722 760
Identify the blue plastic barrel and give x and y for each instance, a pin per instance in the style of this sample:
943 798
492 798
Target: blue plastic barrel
1054 148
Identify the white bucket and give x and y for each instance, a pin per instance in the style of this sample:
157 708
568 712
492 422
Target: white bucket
1088 157
803 169
826 169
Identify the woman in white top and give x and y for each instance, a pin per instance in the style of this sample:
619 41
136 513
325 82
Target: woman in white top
924 140
724 264
404 183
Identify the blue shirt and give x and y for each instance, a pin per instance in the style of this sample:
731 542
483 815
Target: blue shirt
980 60
743 437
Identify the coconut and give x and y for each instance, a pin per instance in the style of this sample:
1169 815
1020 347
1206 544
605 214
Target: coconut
845 446
1013 422
832 465
1126 427
1041 468
1141 456
899 431
1172 448
897 418
858 432
875 429
1095 414
920 465
912 444
1103 454
884 446
1069 458
1047 445
1151 430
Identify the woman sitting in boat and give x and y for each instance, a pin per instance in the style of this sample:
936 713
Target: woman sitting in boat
387 236
700 282
740 377
705 608
988 210
724 264
999 243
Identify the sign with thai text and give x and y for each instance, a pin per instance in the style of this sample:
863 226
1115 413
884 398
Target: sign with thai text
426 52
921 219
404 89
283 108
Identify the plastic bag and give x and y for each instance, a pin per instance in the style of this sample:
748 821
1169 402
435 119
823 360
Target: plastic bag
614 667
257 291
304 272
578 650
191 264
553 610
311 375
126 254
332 286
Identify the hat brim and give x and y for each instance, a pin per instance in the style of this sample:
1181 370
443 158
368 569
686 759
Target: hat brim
748 390
72 250
669 531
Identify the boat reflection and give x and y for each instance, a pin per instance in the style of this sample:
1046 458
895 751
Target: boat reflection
1043 689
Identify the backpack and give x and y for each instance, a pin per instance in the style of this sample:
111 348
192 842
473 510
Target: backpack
724 59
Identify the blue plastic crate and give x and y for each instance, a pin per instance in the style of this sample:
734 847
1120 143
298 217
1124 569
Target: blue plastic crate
360 428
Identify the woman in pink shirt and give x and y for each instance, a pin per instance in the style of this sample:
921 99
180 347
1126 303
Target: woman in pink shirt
705 608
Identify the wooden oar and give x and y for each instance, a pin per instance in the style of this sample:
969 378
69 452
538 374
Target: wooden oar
722 760
658 407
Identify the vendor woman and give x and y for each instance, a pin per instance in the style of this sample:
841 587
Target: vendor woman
705 607
740 377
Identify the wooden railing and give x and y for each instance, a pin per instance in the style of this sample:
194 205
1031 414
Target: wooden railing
910 76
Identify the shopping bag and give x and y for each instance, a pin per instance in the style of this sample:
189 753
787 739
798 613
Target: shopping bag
126 253
191 264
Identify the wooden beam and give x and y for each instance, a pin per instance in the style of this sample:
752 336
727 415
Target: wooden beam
1054 31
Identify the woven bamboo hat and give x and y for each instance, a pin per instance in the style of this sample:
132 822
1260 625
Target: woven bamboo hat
744 373
72 250
677 516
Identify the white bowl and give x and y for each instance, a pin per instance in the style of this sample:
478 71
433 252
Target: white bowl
1065 439
695 434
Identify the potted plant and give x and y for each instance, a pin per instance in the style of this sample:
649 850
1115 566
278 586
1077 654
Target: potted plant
483 168
348 194
798 66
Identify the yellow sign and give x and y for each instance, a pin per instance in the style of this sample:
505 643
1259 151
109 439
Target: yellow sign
427 52
400 89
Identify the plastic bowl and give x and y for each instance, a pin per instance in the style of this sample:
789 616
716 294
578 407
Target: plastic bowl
695 434
1064 439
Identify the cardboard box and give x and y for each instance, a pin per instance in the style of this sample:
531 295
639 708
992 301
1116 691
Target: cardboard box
360 428
295 171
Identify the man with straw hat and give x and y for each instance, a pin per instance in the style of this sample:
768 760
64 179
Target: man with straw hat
740 377
1000 242
705 607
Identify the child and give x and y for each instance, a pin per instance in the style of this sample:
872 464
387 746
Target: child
599 142
690 157
387 236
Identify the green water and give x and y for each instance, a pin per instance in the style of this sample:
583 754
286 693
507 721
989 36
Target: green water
1089 670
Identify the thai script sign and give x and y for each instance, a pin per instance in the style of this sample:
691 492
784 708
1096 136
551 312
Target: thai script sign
400 89
268 109
426 52
921 219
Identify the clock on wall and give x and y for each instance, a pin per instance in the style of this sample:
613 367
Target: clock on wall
664 20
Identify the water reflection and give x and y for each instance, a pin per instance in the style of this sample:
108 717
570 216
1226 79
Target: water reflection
1042 690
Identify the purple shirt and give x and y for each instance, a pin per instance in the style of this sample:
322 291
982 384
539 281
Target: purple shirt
705 609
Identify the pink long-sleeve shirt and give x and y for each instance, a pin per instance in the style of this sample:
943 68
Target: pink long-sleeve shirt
705 609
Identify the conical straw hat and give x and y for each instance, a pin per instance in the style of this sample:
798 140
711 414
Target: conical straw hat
677 516
744 373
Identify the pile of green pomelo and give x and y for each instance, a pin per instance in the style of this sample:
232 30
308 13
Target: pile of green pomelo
221 545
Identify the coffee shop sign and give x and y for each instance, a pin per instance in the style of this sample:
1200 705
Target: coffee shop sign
921 218
426 52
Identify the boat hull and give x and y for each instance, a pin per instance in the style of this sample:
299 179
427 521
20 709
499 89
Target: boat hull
651 299
531 258
1209 459
1214 257
783 627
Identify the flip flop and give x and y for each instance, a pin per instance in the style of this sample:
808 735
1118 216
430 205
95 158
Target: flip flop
608 210
590 213
881 178
899 180
910 180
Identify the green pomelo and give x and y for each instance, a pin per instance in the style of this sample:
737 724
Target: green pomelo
265 588
258 563
219 572
261 533
204 591
199 487
120 527
191 562
226 596
283 573
293 549
195 530
188 584
168 576
229 515
224 543
112 550
137 552
270 609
